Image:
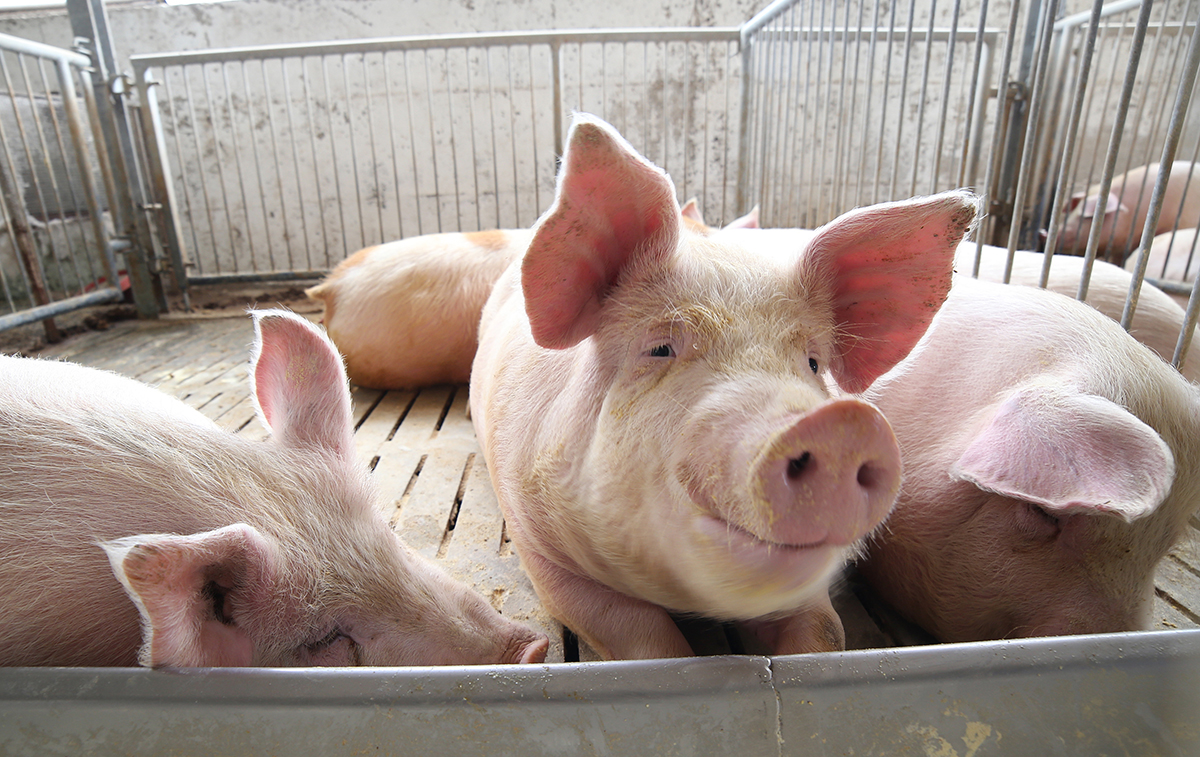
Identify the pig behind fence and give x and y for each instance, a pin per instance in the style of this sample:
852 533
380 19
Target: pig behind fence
1126 208
653 404
1050 461
132 529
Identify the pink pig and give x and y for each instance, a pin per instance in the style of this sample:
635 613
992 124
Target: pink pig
1128 205
654 411
134 530
1050 461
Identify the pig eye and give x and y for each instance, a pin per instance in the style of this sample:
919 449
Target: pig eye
812 363
662 350
1041 522
334 648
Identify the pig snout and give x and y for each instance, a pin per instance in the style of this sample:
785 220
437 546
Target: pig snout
828 478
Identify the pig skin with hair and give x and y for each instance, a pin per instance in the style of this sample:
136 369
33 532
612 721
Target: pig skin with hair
134 530
1050 461
655 411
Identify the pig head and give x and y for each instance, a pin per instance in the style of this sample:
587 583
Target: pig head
134 530
654 411
1050 462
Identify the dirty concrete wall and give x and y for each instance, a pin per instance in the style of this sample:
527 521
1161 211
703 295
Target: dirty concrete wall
143 27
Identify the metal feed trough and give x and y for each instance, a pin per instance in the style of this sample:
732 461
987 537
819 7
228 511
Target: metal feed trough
275 163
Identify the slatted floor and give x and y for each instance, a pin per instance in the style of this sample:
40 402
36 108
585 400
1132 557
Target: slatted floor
434 485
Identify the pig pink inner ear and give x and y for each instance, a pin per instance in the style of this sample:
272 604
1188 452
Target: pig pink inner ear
299 384
1067 451
190 591
1112 205
888 269
612 208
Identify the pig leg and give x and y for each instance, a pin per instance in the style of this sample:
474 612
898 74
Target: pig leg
617 626
816 628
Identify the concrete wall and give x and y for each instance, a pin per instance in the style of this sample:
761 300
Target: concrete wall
152 27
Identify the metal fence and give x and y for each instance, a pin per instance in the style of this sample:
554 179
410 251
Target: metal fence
284 160
55 250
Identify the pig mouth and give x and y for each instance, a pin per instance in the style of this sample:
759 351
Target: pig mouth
735 532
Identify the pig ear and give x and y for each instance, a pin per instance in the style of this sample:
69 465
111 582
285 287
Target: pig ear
691 211
612 205
887 269
748 221
1074 201
189 590
1067 451
1113 205
299 384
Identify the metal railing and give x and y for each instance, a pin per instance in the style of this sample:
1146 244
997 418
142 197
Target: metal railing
281 161
55 250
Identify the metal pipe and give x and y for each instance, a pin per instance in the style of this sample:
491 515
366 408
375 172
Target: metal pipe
70 304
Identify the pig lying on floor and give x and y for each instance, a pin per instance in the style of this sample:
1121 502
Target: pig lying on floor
654 411
1050 461
133 530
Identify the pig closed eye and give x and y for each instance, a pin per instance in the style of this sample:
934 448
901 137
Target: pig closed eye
662 350
327 645
1041 522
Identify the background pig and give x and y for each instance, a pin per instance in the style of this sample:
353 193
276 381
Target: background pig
653 409
1156 321
1058 463
1172 257
406 314
132 529
1127 206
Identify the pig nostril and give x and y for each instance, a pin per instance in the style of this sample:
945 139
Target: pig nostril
796 466
868 476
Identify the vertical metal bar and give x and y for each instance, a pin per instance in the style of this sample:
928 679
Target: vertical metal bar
839 165
287 99
237 159
262 193
887 82
810 180
986 199
412 143
862 151
1072 132
512 131
1114 143
687 112
487 66
746 44
437 190
821 133
312 143
973 89
666 134
380 199
287 231
791 108
729 54
908 41
181 275
556 83
471 124
707 122
212 120
156 150
87 89
357 183
453 141
387 94
1035 110
941 127
200 169
537 184
1183 98
337 174
912 190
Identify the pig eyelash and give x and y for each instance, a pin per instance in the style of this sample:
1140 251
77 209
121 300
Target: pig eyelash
329 638
661 351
